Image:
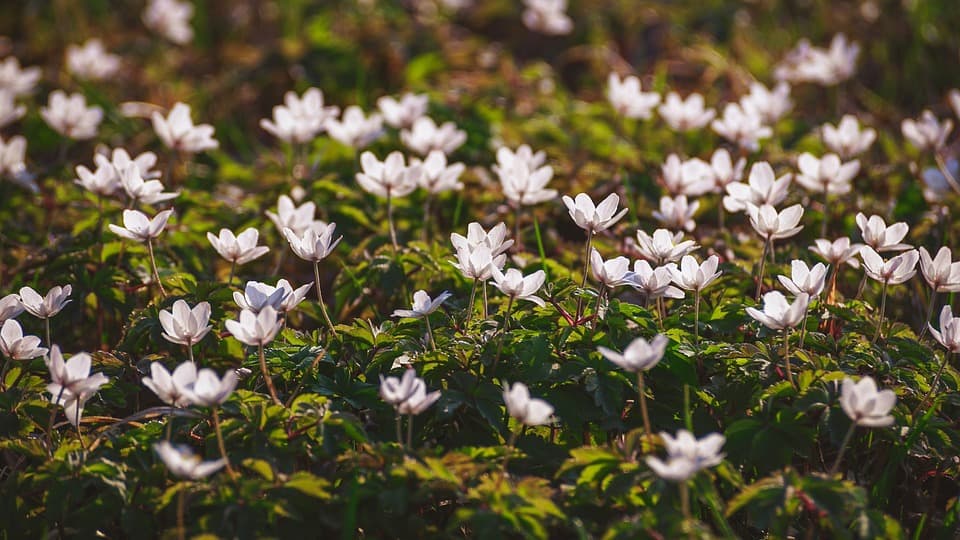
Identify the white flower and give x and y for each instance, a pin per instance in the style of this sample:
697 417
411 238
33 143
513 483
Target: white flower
879 236
12 157
639 354
506 157
687 455
826 175
847 139
299 120
423 305
425 136
528 411
140 190
103 181
953 97
119 159
354 129
628 100
653 282
804 279
949 333
183 463
519 287
283 297
390 177
437 176
9 110
171 19
926 133
677 213
15 80
172 389
44 307
838 252
692 276
863 404
239 249
724 170
407 394
185 325
611 272
892 272
594 218
70 116
495 238
745 128
406 111
826 67
71 383
524 185
692 177
255 328
314 245
10 307
478 262
762 187
769 105
419 401
296 218
547 17
17 346
91 61
664 247
209 390
178 132
686 114
940 272
773 225
137 226
779 314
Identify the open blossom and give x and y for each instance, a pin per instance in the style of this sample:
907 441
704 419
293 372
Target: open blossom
838 252
773 225
12 156
891 272
495 239
692 177
827 67
594 218
289 216
183 463
425 136
777 313
172 389
390 177
16 346
693 276
314 244
71 383
299 119
506 157
685 114
527 410
178 132
522 177
408 394
847 139
653 282
879 236
239 249
91 61
354 129
44 307
423 305
171 19
762 187
639 355
9 110
478 262
770 105
663 246
725 171
137 226
940 272
547 17
926 133
185 325
949 333
628 100
863 404
687 455
70 116
611 272
404 112
826 175
143 191
519 287
437 175
103 181
255 328
10 307
677 213
803 279
208 390
283 297
16 80
745 128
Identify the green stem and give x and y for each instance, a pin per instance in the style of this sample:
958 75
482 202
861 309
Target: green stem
433 344
883 307
266 376
190 352
323 307
399 429
933 387
687 413
641 390
685 500
843 447
181 506
933 303
410 431
473 298
153 264
170 424
233 267
223 448
506 456
46 324
393 231
596 308
786 355
426 217
586 272
763 262
506 326
826 215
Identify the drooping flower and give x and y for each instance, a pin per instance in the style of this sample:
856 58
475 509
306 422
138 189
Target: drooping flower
639 355
91 61
137 226
686 114
677 212
940 272
313 245
404 112
17 346
44 307
687 455
879 236
847 139
185 325
803 279
863 404
170 19
594 218
926 133
255 329
239 249
423 305
762 187
70 116
627 98
354 129
172 389
425 136
71 383
527 410
826 175
777 313
183 463
178 132
299 119
519 287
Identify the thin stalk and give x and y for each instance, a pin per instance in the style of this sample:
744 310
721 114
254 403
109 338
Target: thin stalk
506 457
170 423
803 328
190 352
933 303
393 231
3 374
685 500
946 172
77 425
503 332
786 356
486 302
586 271
426 217
843 448
233 268
223 448
153 264
661 312
596 308
641 389
53 416
399 429
410 431
516 228
46 325
883 307
433 344
721 217
267 378
687 413
863 284
933 387
181 505
763 262
826 215
323 307
473 298
832 294
696 328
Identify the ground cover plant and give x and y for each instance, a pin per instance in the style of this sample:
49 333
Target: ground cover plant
482 269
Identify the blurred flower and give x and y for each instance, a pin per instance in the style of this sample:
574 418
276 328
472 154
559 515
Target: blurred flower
804 279
687 455
773 225
863 404
170 19
769 105
406 111
664 246
692 276
296 218
13 154
826 175
524 183
953 97
724 170
941 273
178 132
437 176
611 272
777 313
838 252
70 116
742 127
15 80
10 307
209 390
137 226
847 139
879 236
547 16
299 120
891 272
141 191
172 389
528 411
762 187
354 129
44 307
17 346
594 218
948 335
71 383
283 297
91 61
314 245
185 325
926 133
239 249
102 182
639 354
183 463
523 153
935 184
9 110
407 394
423 305
677 213
425 136
686 114
692 177
517 286
255 329
628 100
826 67
653 282
495 238
390 177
